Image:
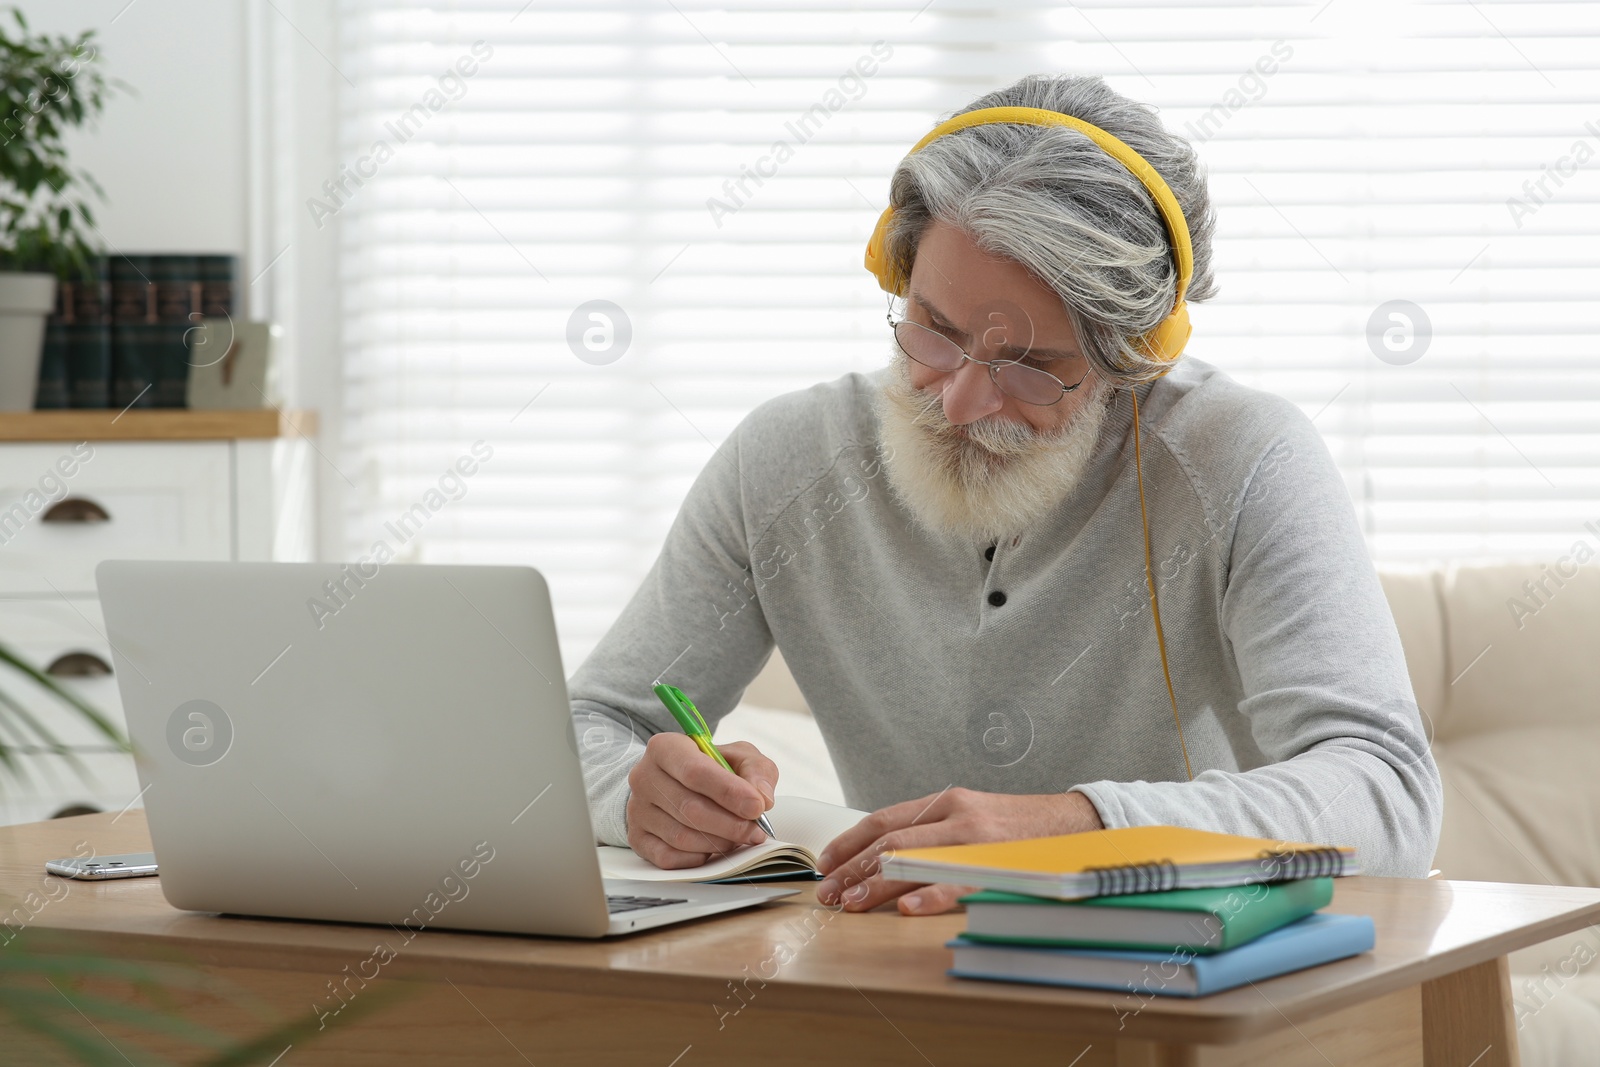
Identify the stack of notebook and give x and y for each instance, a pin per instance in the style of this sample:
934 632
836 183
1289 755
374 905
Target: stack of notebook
1152 909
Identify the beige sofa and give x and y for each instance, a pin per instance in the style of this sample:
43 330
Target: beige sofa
1507 676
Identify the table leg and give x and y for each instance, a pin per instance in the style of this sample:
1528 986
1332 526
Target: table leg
1467 1018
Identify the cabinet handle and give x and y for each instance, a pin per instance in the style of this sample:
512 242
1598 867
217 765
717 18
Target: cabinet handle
78 665
75 509
76 809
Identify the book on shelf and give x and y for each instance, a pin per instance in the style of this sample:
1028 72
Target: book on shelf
52 390
75 366
158 301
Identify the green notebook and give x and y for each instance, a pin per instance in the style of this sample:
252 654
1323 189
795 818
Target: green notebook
1201 920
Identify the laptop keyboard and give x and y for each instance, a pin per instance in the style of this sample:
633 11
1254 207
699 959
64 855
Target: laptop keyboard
614 904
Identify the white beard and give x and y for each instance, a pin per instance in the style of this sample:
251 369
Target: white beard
996 479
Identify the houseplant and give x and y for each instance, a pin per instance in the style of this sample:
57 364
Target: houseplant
48 85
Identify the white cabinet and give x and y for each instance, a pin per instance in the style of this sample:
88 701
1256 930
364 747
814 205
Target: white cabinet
124 499
65 506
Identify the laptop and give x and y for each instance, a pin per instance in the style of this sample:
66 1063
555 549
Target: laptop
372 744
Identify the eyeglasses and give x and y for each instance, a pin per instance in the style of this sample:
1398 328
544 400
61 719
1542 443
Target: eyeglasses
1031 385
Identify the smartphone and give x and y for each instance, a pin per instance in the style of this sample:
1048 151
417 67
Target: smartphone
133 865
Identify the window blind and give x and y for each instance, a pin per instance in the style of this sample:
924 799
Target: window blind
1407 206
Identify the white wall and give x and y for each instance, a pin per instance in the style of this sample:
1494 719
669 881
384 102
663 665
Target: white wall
171 152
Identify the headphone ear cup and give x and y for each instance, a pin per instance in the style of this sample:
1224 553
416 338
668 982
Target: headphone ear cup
876 259
1166 342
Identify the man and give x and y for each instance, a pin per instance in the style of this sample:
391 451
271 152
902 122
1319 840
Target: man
950 555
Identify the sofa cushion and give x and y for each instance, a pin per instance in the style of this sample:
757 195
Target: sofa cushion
1413 596
1520 806
1520 647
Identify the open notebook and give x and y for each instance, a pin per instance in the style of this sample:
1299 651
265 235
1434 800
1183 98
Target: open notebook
804 828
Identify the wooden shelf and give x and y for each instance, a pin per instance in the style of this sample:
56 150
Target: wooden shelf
146 424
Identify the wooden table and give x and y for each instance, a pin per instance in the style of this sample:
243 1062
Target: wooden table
788 983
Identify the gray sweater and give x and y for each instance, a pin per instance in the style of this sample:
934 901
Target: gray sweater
1291 682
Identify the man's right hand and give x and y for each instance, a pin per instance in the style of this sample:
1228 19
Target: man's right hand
684 808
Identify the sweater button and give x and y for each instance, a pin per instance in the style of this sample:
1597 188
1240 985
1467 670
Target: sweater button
997 598
988 553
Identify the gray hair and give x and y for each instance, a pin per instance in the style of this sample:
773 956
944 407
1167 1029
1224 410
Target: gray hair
1055 202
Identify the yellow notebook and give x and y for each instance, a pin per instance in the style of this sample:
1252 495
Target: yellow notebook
1135 859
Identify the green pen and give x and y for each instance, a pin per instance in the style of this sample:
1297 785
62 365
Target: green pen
689 718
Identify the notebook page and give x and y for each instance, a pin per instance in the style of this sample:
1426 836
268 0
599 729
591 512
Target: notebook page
618 862
804 827
811 824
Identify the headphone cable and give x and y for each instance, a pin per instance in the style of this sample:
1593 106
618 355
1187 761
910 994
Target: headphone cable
1150 582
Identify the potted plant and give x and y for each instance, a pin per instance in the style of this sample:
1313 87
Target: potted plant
48 85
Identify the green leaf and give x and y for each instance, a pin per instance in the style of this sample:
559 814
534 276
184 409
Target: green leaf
25 718
32 1008
87 711
90 1053
264 1048
16 770
50 84
97 1010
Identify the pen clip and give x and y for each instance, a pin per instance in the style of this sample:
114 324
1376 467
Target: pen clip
694 711
682 707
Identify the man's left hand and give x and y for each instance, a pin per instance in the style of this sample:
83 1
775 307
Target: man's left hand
952 817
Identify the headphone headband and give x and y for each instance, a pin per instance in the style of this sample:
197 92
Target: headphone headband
1166 341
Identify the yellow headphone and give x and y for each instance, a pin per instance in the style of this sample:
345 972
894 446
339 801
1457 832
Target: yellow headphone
1164 343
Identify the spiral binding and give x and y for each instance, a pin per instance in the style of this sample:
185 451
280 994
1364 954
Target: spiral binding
1135 878
1277 865
1284 865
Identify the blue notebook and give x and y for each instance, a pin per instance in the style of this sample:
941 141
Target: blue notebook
1319 938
